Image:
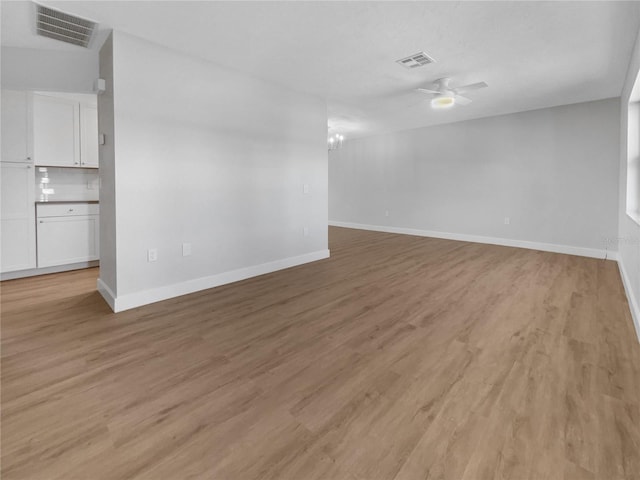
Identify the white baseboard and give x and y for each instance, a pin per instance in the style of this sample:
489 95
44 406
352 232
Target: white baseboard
32 272
145 297
506 242
634 305
107 294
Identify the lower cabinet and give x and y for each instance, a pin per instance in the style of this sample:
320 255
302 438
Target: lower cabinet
67 233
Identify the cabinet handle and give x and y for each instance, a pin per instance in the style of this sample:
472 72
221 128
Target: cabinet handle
75 163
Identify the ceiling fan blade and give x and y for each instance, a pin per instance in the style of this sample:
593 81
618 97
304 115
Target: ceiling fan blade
426 90
471 87
460 100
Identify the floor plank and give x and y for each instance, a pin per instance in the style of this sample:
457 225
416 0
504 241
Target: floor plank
399 357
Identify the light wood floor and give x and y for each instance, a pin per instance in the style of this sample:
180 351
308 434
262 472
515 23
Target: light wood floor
398 358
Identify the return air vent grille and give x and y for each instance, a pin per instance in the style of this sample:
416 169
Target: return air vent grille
416 60
64 27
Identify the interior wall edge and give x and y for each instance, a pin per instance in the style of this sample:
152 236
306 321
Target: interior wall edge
505 242
634 304
145 297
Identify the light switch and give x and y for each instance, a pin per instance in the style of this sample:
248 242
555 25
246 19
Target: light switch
186 249
305 188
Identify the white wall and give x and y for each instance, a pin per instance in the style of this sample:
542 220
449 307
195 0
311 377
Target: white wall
553 172
52 70
214 158
629 233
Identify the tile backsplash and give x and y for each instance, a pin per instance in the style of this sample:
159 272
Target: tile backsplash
57 183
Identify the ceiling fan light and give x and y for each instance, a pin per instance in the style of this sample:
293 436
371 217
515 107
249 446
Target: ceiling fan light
443 101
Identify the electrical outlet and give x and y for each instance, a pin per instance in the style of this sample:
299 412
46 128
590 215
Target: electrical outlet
305 231
152 255
507 221
186 249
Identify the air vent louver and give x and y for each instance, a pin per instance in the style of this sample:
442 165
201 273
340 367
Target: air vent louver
64 27
416 60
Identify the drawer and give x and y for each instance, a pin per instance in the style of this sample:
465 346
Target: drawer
67 209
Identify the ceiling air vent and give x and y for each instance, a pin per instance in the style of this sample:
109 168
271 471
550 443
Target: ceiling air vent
416 60
64 27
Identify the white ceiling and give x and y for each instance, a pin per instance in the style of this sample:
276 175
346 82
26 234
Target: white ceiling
532 54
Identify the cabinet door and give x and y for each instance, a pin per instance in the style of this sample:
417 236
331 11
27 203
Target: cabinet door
15 126
89 136
17 217
56 131
65 240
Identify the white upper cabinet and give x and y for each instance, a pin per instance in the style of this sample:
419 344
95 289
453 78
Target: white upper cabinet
65 130
56 131
15 126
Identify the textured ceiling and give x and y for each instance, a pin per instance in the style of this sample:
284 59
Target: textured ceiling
532 54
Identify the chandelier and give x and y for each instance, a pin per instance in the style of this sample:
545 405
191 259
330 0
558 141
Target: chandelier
335 141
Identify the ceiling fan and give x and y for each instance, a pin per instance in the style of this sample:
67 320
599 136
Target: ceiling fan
447 96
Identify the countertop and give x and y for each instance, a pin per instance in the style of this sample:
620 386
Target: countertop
66 201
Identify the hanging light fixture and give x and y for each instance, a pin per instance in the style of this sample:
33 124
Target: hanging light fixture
335 141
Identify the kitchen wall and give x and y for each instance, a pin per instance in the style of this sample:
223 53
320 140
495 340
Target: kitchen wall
51 70
629 232
210 157
551 172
